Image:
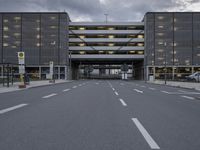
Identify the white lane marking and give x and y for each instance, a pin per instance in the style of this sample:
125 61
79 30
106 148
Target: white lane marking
188 97
122 101
65 90
50 95
151 88
113 89
165 92
182 91
116 93
80 85
143 86
145 134
97 83
138 91
12 108
74 87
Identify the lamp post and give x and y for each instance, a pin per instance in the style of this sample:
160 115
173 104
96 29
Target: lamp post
165 44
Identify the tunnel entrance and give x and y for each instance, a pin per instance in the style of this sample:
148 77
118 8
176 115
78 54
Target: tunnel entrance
106 69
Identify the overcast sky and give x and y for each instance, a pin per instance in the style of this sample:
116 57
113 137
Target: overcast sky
94 10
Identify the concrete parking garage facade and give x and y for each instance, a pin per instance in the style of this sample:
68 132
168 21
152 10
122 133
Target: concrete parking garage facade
162 43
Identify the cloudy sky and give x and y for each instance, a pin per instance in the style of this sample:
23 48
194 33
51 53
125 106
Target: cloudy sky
94 10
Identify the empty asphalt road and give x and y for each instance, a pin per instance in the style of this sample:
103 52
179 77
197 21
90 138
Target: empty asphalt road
100 115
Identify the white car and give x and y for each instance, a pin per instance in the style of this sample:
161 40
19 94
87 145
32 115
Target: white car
194 77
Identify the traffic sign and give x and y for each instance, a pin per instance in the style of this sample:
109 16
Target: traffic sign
21 58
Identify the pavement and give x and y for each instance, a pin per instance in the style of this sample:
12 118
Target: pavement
188 85
100 115
14 87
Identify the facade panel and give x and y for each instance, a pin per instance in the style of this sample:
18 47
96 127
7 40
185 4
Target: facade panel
31 38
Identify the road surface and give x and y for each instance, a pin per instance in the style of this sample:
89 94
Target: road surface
100 115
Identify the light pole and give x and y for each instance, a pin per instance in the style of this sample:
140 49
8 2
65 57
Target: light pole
165 44
106 17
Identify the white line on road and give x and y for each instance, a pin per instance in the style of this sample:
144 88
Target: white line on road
65 90
97 83
80 85
50 95
188 97
12 108
145 134
74 87
143 86
165 92
122 101
151 88
113 89
116 93
138 91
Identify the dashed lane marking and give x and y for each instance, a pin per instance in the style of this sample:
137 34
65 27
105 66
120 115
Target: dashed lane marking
145 134
122 101
12 108
50 95
116 93
138 91
65 90
188 97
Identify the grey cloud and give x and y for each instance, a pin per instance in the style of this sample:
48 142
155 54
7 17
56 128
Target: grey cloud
94 10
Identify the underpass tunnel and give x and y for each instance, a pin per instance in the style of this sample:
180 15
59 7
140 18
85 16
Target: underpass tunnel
106 70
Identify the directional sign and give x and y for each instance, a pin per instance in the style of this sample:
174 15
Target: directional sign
21 69
21 58
124 67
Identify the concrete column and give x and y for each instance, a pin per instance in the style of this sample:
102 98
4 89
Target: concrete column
154 72
59 72
40 77
192 70
173 73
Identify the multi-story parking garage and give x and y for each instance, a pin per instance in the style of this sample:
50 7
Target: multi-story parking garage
106 46
164 44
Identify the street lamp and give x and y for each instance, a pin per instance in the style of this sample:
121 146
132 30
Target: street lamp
165 44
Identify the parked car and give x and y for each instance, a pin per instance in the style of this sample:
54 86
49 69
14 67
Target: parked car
194 77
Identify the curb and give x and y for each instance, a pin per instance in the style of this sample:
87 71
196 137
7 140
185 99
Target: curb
48 85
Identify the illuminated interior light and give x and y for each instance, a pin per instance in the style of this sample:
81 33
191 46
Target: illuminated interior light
110 52
140 44
5 20
82 44
82 28
140 52
132 52
82 52
111 36
82 36
5 44
5 28
140 36
110 44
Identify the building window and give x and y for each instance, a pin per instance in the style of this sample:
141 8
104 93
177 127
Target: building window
82 52
5 44
82 28
5 28
5 20
111 36
111 44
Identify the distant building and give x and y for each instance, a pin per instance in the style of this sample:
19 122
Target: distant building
42 36
164 44
172 39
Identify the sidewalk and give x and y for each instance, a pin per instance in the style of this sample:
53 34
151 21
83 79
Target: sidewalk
188 85
33 84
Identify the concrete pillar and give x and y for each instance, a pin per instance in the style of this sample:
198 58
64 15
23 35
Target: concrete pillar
40 76
154 73
173 73
59 72
192 70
